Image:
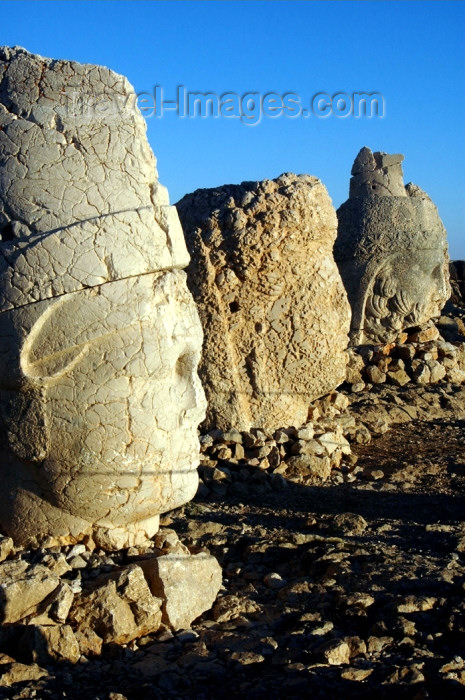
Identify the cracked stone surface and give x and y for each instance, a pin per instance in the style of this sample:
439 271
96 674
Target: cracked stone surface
391 251
273 308
99 335
80 203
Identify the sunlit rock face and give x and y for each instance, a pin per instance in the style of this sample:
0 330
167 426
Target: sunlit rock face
99 335
272 304
391 251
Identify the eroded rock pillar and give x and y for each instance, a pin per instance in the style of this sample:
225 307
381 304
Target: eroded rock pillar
273 308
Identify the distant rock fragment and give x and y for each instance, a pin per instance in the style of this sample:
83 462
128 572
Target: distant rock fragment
18 673
49 643
6 547
23 588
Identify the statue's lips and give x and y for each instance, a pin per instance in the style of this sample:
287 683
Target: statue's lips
124 493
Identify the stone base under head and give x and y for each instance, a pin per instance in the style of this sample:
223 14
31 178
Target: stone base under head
272 305
99 396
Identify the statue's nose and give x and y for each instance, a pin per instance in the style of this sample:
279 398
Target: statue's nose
191 395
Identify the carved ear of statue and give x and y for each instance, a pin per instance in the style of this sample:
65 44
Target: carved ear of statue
54 344
52 348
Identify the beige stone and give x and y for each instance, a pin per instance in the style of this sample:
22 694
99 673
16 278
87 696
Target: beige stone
391 251
272 305
90 644
187 584
118 607
230 607
307 467
398 377
336 653
375 375
333 441
49 644
356 674
6 547
437 370
455 375
61 602
424 335
19 673
355 367
23 588
99 336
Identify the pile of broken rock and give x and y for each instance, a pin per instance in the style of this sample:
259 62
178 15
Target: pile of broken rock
420 356
59 604
235 462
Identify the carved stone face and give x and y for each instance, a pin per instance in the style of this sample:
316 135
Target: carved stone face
101 401
99 336
391 251
405 292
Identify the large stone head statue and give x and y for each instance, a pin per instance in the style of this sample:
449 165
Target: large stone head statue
391 251
99 336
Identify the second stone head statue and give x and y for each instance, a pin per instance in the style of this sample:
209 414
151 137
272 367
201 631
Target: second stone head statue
99 336
391 250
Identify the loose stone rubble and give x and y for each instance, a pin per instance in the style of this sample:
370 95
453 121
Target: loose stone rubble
272 305
61 603
421 357
391 251
235 462
99 336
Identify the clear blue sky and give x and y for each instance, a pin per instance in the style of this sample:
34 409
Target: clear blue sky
411 52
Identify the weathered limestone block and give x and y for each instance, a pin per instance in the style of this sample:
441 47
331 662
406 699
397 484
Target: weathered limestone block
187 585
12 673
118 607
391 251
50 643
6 547
23 588
377 173
99 336
271 301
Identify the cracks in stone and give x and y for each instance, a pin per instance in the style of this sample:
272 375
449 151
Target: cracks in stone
38 236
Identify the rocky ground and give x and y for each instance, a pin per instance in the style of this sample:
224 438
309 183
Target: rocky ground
352 587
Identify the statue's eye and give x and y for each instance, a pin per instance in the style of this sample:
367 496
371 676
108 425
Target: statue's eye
183 365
